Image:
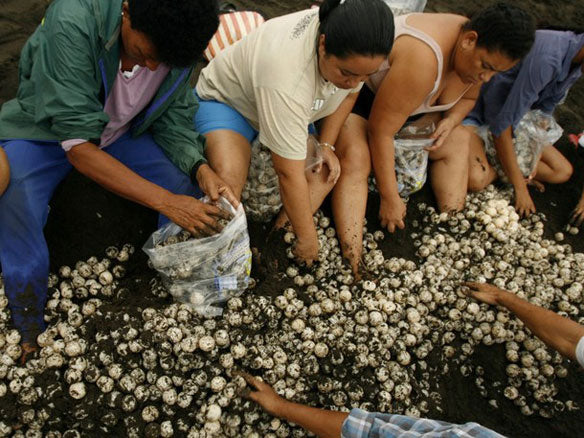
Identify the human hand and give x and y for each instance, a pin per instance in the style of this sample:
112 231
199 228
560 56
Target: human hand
392 213
486 293
577 217
523 203
197 217
263 395
443 130
306 250
330 160
213 186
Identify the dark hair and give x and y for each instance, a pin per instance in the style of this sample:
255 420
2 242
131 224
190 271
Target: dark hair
356 27
179 29
505 28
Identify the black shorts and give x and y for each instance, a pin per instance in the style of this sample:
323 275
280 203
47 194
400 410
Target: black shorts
364 103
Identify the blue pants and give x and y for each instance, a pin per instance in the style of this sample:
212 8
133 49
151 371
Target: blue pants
36 170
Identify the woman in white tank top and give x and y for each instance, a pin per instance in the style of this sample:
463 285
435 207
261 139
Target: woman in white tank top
436 67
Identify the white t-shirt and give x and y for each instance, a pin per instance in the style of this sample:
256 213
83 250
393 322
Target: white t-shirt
580 352
272 78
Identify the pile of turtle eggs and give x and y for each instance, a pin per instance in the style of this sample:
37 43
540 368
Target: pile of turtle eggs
152 367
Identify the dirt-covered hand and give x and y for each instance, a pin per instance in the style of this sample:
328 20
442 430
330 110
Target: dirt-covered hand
443 130
523 203
577 217
195 216
392 213
486 293
213 186
306 250
263 395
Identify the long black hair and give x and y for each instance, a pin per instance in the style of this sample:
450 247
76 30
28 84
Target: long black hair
356 27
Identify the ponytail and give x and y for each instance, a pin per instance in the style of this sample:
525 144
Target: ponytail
356 27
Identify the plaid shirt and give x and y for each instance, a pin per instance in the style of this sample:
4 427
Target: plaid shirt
362 424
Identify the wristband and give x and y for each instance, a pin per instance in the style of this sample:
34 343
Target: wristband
328 145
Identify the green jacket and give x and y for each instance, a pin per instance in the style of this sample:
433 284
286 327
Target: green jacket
66 71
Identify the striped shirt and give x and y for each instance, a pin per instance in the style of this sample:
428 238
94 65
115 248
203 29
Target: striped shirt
362 424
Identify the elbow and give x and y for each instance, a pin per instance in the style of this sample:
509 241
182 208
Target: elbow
77 156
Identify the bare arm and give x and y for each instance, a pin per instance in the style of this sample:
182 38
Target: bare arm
322 423
506 154
454 116
186 211
404 88
331 125
296 201
329 132
4 171
561 334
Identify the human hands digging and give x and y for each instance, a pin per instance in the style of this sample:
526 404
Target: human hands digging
197 217
306 250
523 203
263 394
392 213
484 292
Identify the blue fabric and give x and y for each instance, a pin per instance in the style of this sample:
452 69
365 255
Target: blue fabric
213 115
362 424
540 81
37 168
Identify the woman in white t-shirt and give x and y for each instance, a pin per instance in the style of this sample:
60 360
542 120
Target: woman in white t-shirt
290 72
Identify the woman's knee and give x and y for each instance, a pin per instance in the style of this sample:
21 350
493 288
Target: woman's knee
478 179
564 172
356 161
455 148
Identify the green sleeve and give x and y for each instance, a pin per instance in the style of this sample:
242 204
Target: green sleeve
64 75
175 131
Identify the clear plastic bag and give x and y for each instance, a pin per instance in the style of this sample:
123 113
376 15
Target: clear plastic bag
533 133
207 271
261 193
401 7
411 158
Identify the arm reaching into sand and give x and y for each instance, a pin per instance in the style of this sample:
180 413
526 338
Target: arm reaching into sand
559 333
322 423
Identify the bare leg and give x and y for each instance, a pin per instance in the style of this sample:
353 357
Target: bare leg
349 199
480 172
449 170
229 153
553 167
318 188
